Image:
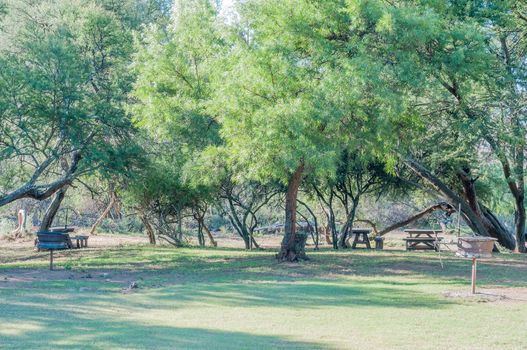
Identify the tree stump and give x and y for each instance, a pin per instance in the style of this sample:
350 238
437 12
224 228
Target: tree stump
295 252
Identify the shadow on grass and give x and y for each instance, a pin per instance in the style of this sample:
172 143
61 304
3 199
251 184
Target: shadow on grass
499 269
41 327
299 295
216 264
56 315
63 319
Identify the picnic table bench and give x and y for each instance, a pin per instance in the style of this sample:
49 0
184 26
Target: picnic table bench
422 239
82 241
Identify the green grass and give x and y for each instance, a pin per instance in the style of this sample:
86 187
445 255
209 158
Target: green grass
232 299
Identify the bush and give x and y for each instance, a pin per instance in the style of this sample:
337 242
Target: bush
6 226
130 224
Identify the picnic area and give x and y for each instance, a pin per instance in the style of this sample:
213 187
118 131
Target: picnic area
263 174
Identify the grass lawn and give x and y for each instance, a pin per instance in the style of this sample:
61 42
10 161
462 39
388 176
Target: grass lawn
233 299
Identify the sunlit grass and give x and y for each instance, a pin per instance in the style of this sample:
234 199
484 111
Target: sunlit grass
234 299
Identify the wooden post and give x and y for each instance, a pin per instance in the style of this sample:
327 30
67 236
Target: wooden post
51 259
474 268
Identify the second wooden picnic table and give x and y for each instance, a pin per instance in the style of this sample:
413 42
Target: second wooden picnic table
422 239
360 236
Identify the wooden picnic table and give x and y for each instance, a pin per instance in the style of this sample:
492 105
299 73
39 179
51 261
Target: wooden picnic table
422 239
360 236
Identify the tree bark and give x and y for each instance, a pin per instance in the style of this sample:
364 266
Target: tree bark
256 245
41 192
291 247
149 229
207 231
330 215
238 225
519 224
22 220
52 209
494 227
179 225
315 221
348 224
479 222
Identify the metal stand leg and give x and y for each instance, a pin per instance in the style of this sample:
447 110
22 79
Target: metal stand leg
51 259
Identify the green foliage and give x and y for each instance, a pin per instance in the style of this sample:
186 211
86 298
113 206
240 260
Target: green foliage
63 87
182 104
173 67
291 92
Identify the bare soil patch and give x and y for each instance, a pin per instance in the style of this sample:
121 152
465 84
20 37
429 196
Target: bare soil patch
490 295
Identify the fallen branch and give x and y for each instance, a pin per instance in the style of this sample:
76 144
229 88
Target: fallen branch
440 206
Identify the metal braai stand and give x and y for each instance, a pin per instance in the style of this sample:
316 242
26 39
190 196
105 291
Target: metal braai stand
474 248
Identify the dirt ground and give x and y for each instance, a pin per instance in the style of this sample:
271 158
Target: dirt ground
23 250
492 295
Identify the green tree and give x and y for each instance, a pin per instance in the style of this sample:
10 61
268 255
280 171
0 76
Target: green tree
450 62
296 89
357 175
173 66
63 87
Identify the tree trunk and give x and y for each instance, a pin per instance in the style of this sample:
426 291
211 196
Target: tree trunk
493 226
348 225
331 226
207 231
149 229
113 200
179 225
472 218
238 225
519 225
22 220
201 238
52 209
256 245
315 221
291 248
440 206
41 192
327 234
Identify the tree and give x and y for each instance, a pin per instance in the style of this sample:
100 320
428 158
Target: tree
356 176
172 92
158 194
241 202
285 103
443 58
62 92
